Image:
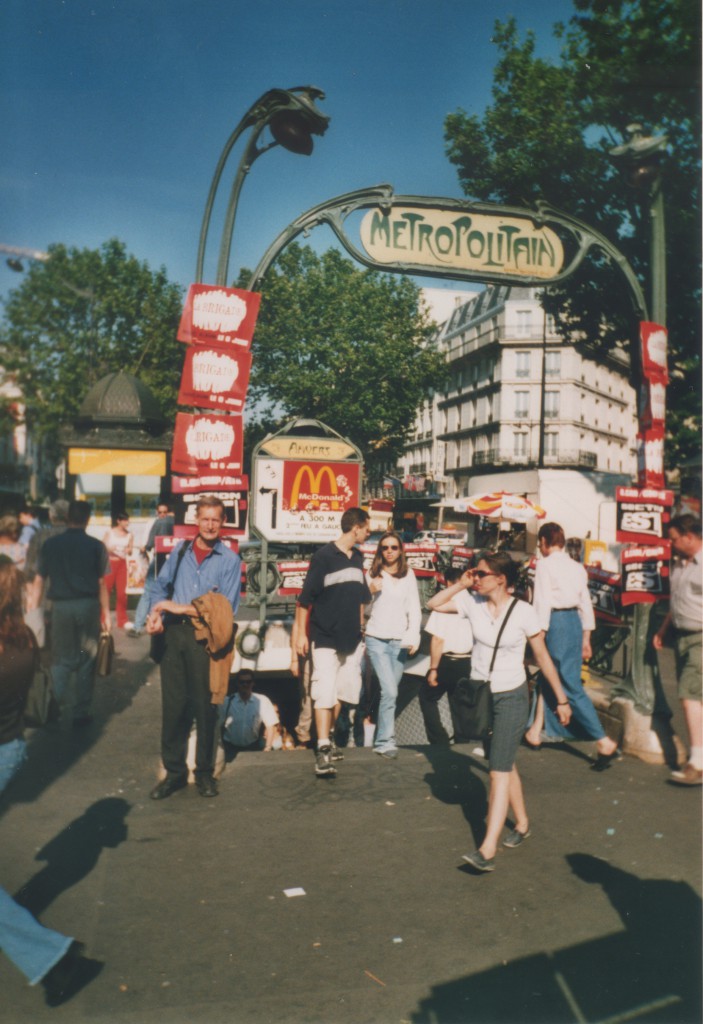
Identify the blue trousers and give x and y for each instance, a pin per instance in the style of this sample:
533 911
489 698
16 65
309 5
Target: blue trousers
564 642
142 610
388 660
30 946
75 631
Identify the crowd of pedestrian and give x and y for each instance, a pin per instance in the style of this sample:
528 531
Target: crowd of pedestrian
351 626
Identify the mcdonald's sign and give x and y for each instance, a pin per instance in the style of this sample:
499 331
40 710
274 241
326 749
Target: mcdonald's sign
324 486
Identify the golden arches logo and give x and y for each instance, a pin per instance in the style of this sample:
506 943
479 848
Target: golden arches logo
316 499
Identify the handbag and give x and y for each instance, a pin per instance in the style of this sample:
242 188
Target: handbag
106 652
157 646
37 709
473 699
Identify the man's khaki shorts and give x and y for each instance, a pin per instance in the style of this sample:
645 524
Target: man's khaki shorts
335 676
689 673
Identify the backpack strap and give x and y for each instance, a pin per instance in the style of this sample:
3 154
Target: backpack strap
500 633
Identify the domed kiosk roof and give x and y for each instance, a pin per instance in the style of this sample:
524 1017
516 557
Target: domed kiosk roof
121 398
119 411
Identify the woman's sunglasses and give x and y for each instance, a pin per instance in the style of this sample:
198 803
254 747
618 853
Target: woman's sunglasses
481 573
390 547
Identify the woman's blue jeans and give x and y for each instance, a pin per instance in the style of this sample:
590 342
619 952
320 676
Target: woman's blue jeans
564 641
388 659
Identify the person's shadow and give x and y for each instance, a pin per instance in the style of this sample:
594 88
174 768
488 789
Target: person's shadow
73 853
455 780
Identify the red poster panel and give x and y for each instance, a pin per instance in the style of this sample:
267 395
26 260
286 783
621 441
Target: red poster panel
642 515
203 444
215 377
209 483
645 573
604 589
650 458
654 343
323 486
165 545
213 314
651 406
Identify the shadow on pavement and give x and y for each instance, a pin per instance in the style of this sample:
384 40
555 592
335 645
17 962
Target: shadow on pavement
649 972
54 749
455 780
73 853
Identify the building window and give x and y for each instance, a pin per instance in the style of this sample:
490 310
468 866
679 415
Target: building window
522 408
551 443
520 444
522 364
551 403
524 323
552 364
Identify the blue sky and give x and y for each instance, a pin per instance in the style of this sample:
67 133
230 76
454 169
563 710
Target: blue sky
113 113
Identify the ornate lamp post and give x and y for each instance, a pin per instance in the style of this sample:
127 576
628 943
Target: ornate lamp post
293 119
641 159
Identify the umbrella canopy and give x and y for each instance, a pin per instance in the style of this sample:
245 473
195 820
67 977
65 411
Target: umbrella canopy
501 505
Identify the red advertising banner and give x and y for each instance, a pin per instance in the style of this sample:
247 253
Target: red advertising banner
165 545
215 377
208 483
654 343
645 573
203 444
236 508
650 458
642 515
651 409
325 486
213 314
604 588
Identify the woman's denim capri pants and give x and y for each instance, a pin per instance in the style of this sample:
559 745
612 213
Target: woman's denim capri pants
510 712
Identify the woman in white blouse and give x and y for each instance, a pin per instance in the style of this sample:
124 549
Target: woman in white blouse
392 631
486 610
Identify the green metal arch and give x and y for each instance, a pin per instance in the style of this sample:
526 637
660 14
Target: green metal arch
335 212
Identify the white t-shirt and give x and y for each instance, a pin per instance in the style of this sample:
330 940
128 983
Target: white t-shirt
454 630
561 582
395 610
686 590
243 718
509 668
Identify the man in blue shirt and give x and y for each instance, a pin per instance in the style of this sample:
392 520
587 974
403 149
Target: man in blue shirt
193 569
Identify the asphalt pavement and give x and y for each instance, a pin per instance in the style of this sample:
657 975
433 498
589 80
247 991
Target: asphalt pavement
296 899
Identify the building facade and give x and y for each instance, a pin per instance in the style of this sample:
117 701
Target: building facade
518 397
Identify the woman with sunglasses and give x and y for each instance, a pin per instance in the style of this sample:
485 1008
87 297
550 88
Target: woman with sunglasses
392 631
489 607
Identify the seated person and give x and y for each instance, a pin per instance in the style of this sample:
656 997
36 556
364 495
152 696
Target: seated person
245 716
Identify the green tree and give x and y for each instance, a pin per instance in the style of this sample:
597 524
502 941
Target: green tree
546 136
82 314
343 345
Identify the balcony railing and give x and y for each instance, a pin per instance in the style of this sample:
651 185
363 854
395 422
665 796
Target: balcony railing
495 457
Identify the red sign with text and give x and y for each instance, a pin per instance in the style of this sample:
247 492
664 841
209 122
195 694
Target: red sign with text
203 444
216 315
215 377
645 573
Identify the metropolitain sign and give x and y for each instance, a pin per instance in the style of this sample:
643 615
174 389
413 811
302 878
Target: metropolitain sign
450 239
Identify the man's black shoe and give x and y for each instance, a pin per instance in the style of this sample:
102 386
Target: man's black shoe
206 785
168 786
72 973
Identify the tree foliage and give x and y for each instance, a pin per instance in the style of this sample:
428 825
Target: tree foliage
82 314
343 345
547 135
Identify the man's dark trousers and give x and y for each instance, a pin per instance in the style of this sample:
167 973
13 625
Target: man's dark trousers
185 694
452 672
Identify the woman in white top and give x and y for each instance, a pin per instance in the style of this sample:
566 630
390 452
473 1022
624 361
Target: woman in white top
119 543
392 630
486 610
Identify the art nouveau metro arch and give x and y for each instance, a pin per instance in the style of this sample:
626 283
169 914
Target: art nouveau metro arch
449 238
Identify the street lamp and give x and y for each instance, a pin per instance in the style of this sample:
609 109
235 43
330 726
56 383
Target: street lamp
293 119
641 159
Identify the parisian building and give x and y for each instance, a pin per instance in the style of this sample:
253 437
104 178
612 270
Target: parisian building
518 397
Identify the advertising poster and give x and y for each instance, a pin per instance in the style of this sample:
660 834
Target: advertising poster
217 315
303 501
604 588
646 573
654 344
642 515
650 457
203 444
215 377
